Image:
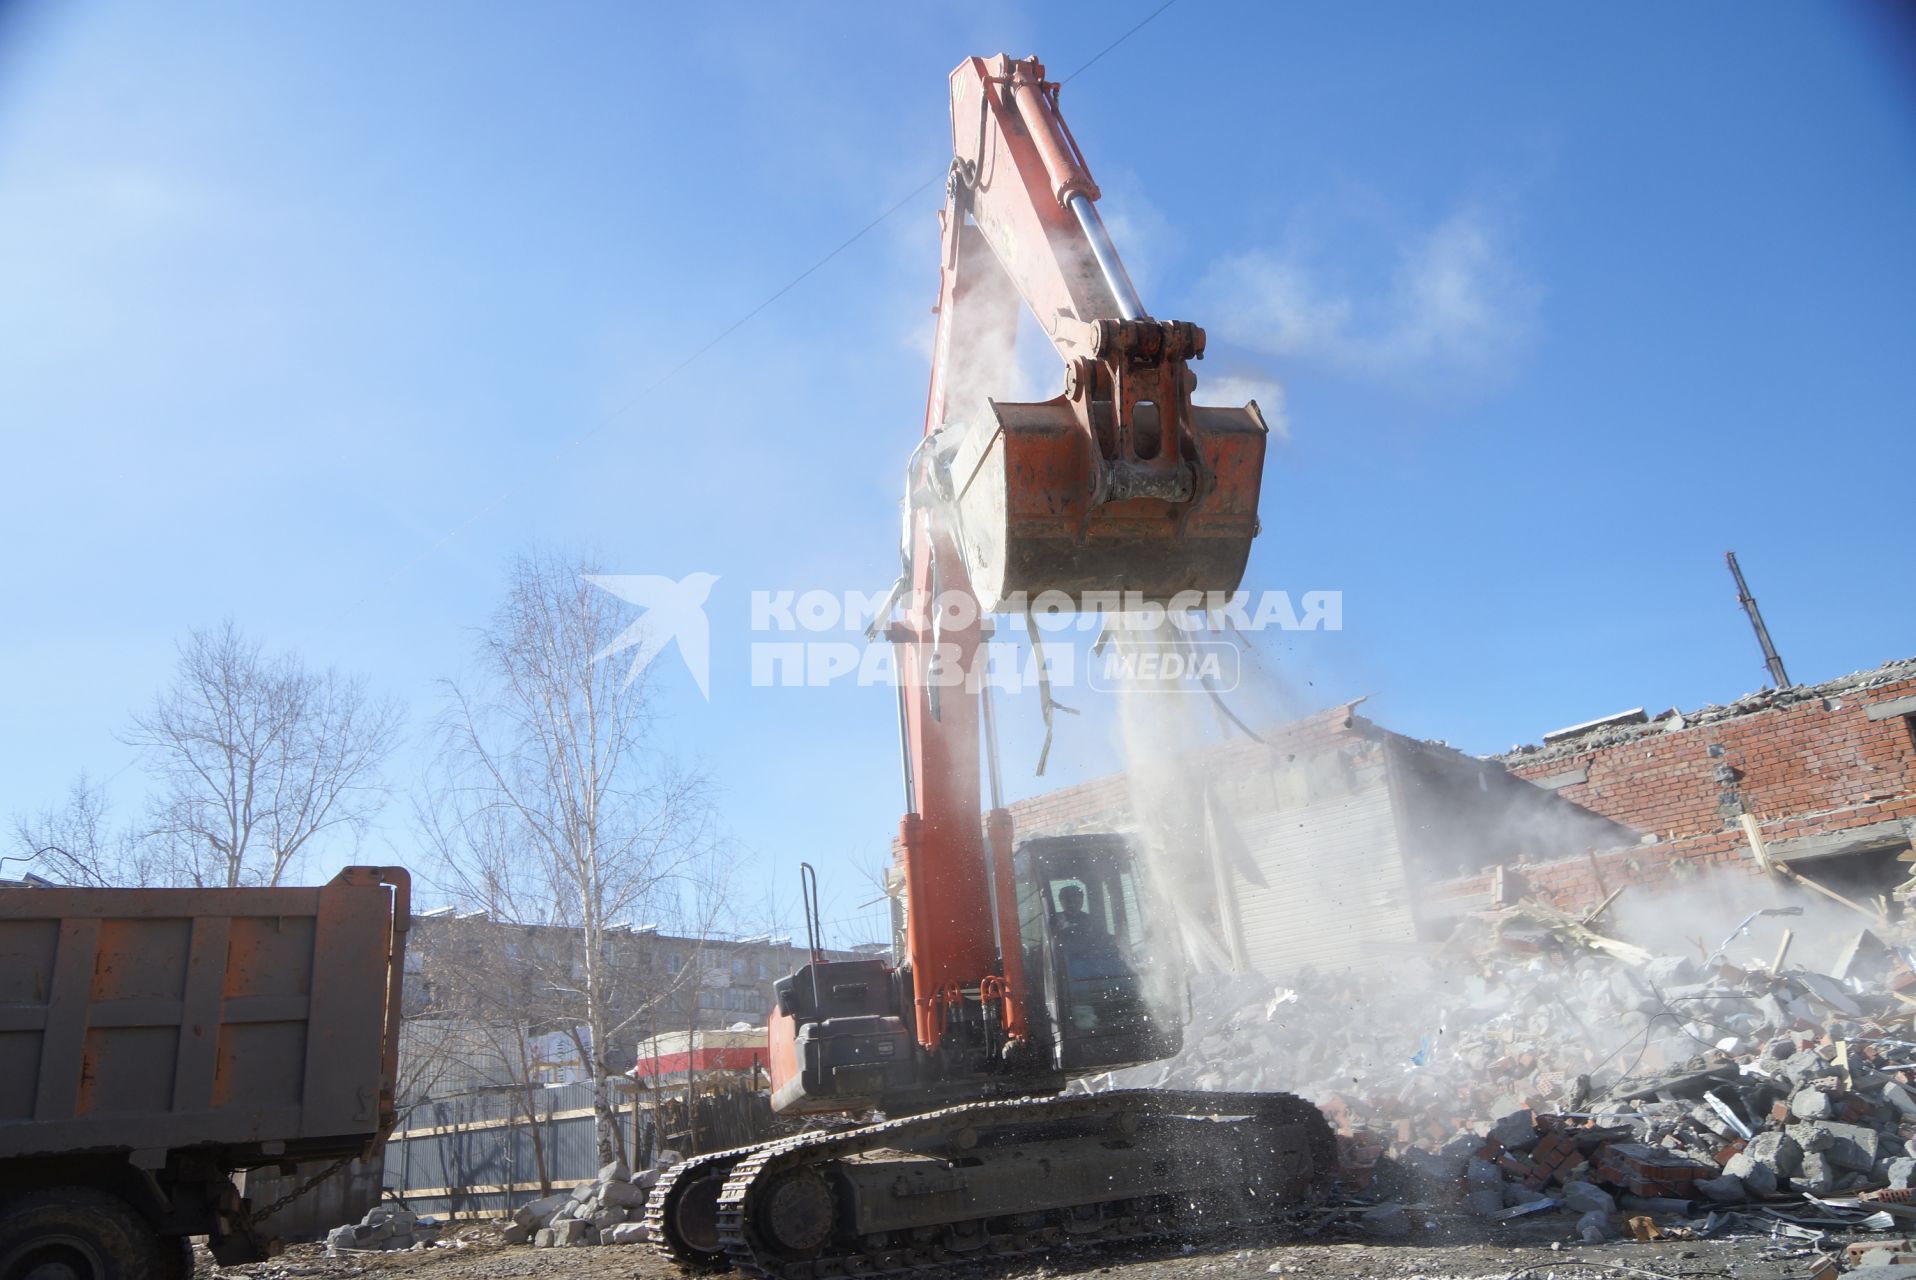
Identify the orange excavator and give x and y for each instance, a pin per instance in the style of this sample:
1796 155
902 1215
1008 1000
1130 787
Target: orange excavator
1027 963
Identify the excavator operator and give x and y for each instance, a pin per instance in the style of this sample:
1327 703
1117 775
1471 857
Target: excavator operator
1071 917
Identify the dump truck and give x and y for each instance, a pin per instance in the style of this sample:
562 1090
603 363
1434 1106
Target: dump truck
155 1041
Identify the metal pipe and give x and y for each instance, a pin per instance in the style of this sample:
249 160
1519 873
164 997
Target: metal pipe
998 881
1771 658
814 931
904 742
991 746
808 898
1130 306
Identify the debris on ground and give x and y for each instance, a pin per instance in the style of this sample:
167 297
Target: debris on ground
385 1228
1537 1067
610 1209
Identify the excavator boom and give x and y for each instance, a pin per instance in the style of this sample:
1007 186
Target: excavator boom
1118 488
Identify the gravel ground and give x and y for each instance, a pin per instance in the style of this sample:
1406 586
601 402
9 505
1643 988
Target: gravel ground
1516 1252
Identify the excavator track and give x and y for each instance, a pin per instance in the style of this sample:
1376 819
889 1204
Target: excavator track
681 1214
914 1194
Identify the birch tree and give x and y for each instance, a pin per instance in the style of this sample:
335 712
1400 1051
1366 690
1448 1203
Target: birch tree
554 801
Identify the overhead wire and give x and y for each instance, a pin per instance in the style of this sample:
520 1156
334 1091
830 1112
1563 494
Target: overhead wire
728 330
1141 24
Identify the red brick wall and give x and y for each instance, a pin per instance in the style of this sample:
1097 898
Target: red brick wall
1812 756
1806 768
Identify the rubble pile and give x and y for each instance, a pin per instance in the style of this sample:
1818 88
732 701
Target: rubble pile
385 1228
1825 1123
610 1209
1418 1055
1515 1020
1538 1066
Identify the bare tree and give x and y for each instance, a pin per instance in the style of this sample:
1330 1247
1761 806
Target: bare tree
73 841
256 759
553 802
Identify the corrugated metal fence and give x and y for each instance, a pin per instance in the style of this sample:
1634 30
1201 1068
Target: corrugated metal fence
475 1155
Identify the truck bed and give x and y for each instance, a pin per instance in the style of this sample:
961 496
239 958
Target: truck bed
263 1022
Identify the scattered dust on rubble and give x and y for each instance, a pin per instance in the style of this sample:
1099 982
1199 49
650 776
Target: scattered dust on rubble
1535 1070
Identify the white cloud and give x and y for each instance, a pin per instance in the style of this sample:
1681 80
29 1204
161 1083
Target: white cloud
1453 310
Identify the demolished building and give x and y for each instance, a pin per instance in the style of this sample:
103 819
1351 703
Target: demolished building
1334 843
1325 838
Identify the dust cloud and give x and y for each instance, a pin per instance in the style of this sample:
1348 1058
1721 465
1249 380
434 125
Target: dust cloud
1522 1007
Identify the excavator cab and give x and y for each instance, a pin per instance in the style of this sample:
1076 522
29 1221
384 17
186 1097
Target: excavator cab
1103 991
1106 983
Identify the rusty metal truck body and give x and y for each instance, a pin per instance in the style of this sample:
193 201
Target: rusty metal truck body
153 1041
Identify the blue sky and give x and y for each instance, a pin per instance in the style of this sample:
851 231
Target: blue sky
314 315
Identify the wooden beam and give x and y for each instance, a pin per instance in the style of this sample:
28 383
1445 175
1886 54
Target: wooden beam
1605 904
1757 848
1784 869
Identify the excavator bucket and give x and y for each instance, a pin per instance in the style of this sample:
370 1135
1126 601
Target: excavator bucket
1043 509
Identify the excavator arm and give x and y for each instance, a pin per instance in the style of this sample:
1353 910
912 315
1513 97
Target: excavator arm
1119 485
1117 490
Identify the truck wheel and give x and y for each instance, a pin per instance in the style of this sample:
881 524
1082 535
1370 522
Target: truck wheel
77 1233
